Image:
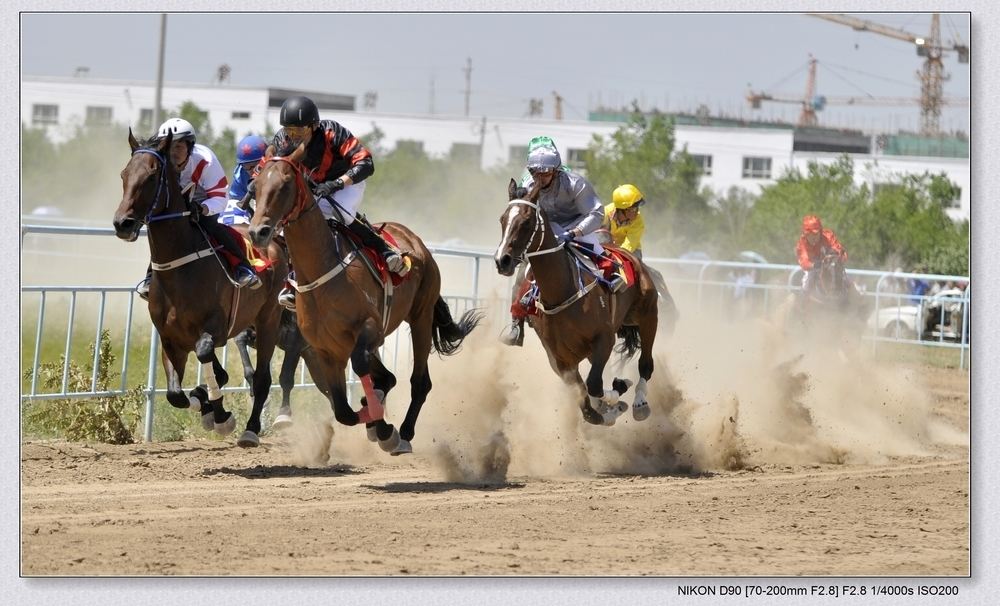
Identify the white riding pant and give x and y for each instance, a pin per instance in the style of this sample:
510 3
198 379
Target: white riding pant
348 200
808 279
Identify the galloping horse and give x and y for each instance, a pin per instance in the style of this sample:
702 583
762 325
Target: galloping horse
193 303
578 320
344 312
834 298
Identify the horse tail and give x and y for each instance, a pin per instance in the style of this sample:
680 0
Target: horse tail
447 335
630 342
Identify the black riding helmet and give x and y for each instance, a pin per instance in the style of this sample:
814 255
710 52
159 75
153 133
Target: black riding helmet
299 111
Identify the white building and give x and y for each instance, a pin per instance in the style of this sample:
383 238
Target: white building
730 154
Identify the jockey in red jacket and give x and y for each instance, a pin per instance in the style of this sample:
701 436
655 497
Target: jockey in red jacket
814 243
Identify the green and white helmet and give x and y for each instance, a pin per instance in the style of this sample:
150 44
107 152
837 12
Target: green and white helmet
544 159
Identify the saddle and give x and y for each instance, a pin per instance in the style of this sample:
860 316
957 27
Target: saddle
377 260
258 259
601 267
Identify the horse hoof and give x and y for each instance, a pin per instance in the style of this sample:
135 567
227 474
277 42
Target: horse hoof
208 421
403 448
641 411
283 420
372 436
224 429
392 443
198 398
614 412
248 440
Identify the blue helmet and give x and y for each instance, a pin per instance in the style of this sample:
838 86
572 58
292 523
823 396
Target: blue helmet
250 149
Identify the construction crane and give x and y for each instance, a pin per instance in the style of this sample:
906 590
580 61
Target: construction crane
932 74
812 103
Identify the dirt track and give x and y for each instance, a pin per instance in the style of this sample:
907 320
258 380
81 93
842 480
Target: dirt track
205 507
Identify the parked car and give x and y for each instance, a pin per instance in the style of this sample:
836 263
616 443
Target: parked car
936 317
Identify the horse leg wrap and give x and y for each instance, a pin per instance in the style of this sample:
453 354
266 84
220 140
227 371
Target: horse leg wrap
214 393
374 409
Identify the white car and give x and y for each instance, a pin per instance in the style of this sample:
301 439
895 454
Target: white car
937 317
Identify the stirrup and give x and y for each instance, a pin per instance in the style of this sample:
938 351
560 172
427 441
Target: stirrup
286 298
247 277
395 263
142 288
514 335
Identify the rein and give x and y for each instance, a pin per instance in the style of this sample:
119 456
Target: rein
540 230
302 197
161 186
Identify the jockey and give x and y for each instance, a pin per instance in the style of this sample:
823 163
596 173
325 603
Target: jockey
574 211
249 151
624 219
339 164
202 178
814 243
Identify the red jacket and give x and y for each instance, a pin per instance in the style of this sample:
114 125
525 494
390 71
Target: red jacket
809 255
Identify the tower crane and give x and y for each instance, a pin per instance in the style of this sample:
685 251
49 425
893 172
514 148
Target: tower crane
812 103
930 46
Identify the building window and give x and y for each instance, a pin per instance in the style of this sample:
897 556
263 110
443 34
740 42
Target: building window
957 201
756 168
146 118
241 115
576 159
44 114
100 116
518 154
704 163
410 146
467 153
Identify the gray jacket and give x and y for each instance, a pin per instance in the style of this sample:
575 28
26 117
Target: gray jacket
570 201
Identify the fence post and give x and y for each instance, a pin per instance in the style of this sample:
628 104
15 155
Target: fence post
154 342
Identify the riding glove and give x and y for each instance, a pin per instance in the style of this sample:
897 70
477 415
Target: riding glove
328 187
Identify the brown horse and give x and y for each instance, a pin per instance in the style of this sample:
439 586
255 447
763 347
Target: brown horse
193 303
344 312
579 319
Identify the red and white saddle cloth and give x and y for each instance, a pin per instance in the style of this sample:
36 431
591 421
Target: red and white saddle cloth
258 259
378 260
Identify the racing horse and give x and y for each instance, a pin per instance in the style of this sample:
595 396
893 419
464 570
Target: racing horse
577 319
344 312
193 302
833 302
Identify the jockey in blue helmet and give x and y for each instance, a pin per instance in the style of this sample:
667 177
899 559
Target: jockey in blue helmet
249 151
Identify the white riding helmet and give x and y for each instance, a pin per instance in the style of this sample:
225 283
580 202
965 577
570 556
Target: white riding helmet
544 159
181 129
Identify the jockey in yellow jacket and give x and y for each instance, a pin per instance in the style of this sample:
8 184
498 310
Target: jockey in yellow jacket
624 220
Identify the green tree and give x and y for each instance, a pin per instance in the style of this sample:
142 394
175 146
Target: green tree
642 152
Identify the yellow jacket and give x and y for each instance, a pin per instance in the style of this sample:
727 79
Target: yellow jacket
626 235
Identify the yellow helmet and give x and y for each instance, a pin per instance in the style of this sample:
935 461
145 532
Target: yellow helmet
626 196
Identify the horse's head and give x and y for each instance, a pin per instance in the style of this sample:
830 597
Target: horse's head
523 226
147 182
281 193
832 281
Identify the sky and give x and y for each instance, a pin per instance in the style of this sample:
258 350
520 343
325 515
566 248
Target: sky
416 62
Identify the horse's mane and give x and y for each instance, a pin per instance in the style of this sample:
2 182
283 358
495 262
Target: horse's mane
149 143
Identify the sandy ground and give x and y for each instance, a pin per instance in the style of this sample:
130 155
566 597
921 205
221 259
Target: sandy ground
701 488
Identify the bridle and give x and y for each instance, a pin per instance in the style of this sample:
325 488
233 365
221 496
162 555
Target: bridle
539 231
161 188
303 201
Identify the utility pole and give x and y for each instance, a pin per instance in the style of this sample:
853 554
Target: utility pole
559 101
432 95
482 141
468 82
158 103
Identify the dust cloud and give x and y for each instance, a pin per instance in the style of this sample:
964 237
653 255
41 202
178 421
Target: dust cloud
723 396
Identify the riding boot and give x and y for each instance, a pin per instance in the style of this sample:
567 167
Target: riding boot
371 239
514 334
142 288
245 274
